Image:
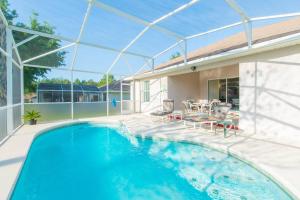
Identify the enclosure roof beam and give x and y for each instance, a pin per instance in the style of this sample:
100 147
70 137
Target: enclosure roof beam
214 30
164 17
63 69
245 19
140 69
82 27
57 37
136 19
238 9
48 53
227 27
276 16
197 35
167 49
26 40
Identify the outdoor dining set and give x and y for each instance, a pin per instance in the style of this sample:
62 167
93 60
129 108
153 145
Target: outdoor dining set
214 113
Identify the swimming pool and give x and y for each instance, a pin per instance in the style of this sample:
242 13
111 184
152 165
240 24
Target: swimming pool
92 161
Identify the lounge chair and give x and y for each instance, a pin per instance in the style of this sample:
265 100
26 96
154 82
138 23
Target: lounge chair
168 108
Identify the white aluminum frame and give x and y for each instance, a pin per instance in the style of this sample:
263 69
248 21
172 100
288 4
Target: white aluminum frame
244 18
149 60
26 40
135 19
150 25
10 105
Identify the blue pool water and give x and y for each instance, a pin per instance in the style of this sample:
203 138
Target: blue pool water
90 161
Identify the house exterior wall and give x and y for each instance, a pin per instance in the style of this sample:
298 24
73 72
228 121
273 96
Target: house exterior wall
183 87
217 73
158 92
137 96
270 95
269 92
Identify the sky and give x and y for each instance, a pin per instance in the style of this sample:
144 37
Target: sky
107 29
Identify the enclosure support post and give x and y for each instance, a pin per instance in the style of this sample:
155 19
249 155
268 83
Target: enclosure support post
72 96
22 90
185 52
9 79
107 96
244 18
248 30
121 95
152 64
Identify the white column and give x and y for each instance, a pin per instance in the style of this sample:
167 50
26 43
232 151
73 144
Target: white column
9 94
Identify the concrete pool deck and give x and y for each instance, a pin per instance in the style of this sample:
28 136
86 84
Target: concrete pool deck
278 160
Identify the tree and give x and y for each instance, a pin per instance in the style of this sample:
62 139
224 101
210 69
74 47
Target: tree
84 82
55 81
77 81
35 47
9 14
102 82
175 55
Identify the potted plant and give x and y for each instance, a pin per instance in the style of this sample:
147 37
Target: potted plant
32 116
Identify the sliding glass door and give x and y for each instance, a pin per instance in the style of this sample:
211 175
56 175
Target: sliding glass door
233 93
226 90
217 89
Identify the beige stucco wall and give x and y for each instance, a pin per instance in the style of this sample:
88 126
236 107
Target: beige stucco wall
269 92
270 95
137 99
217 73
183 87
158 92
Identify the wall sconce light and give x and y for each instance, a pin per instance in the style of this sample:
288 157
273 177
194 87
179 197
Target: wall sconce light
193 68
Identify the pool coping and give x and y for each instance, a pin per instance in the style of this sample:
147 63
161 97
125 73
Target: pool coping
6 192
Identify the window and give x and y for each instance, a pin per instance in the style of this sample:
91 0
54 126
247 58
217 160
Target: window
146 91
226 90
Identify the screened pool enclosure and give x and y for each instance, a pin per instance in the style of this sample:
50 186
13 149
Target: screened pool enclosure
105 44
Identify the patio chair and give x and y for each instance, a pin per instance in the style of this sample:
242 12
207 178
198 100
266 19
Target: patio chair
189 108
213 103
221 113
209 107
168 108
